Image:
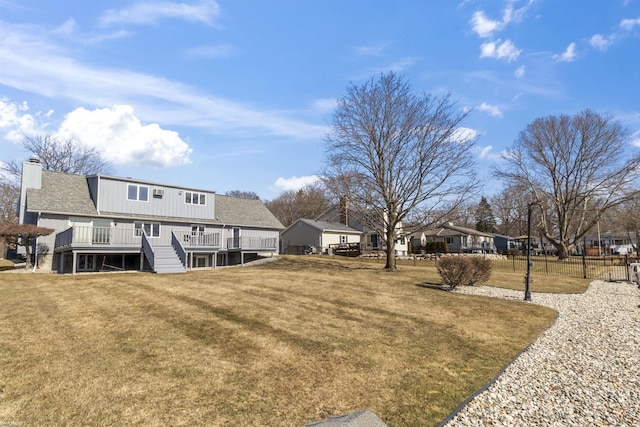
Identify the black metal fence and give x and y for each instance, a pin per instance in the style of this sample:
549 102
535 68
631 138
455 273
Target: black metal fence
605 268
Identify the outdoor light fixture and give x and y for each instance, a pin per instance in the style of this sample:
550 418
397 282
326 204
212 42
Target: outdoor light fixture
527 279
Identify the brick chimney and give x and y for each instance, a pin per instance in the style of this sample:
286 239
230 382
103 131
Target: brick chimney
344 210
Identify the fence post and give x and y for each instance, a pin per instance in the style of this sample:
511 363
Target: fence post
584 263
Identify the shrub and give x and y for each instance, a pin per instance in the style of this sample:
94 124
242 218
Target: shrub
436 247
463 271
455 271
480 270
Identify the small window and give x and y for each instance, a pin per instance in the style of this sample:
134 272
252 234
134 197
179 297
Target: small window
343 239
192 198
449 239
138 192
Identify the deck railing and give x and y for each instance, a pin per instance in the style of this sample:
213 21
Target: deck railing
99 236
252 243
190 239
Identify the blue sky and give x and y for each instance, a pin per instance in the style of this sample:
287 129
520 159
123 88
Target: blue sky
238 95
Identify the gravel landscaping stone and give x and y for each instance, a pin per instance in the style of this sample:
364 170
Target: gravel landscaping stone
583 371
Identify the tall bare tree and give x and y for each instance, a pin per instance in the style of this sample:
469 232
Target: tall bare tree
67 156
307 202
510 208
578 167
399 152
9 194
242 194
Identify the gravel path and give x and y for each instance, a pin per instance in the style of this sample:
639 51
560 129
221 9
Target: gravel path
583 371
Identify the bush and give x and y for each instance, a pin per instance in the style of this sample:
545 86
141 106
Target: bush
480 270
463 271
436 247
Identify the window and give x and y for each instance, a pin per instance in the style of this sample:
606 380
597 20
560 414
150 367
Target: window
192 198
138 192
151 229
343 240
449 240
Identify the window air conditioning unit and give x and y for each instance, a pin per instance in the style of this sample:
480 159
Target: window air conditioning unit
159 192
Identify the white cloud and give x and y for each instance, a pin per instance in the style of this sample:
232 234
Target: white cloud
294 183
495 49
484 152
222 50
568 55
483 26
464 135
151 12
635 139
491 109
24 50
122 139
375 50
520 71
599 42
628 24
324 105
15 122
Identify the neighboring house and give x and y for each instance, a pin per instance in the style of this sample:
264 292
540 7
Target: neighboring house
112 223
335 222
607 243
321 236
539 245
504 244
460 239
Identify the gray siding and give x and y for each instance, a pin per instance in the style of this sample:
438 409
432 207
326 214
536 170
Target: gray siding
113 199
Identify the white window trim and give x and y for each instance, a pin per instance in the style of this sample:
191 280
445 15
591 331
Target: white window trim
151 224
200 195
138 186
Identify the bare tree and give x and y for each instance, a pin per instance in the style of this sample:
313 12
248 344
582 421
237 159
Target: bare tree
396 152
308 202
625 218
66 156
242 194
510 208
9 194
578 167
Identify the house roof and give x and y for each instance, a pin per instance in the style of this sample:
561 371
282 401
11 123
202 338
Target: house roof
61 193
448 229
328 226
244 212
68 194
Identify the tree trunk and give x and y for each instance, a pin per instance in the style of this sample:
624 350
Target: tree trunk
391 256
27 251
391 250
563 252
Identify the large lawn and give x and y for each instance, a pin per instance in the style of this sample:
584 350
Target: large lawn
286 343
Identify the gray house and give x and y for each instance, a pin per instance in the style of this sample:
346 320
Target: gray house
458 239
112 223
321 236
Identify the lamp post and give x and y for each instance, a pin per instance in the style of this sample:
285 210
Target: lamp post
527 279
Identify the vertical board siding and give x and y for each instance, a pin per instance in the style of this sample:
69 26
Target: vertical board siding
113 198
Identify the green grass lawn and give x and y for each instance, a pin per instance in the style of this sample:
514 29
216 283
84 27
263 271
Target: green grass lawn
282 344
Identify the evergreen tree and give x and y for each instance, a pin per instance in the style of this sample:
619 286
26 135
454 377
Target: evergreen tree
485 221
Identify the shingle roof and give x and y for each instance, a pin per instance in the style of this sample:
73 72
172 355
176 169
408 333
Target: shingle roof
244 212
330 226
61 193
69 194
449 229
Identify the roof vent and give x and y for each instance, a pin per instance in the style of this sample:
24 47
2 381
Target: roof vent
34 159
